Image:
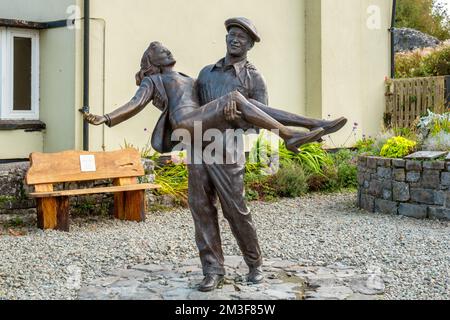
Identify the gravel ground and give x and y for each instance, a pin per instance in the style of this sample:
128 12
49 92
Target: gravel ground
412 255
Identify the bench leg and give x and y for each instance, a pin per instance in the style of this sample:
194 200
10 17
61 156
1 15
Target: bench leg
53 213
46 213
62 214
130 206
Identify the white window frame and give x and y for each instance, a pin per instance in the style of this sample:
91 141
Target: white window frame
7 74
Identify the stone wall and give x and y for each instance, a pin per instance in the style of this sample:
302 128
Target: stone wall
14 192
412 188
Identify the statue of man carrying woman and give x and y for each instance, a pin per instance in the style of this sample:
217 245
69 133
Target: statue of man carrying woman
230 94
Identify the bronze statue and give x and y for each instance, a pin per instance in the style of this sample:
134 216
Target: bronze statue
175 94
228 95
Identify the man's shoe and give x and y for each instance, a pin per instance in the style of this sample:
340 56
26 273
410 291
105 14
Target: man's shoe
256 275
210 282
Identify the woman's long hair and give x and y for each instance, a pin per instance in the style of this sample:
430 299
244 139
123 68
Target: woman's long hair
147 68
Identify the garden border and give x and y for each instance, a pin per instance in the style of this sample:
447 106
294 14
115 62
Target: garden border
412 188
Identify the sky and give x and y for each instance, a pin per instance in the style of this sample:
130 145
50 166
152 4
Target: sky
448 4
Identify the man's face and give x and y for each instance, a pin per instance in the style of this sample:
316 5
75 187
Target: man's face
239 42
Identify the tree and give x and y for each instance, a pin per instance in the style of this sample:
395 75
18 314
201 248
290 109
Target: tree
428 16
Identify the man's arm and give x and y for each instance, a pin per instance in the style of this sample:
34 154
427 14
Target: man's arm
258 89
140 100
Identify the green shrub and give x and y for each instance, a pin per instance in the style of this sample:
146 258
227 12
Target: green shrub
438 62
365 145
398 147
342 174
312 157
290 181
259 187
173 179
434 62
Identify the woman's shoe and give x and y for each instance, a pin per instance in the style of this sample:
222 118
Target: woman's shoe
301 138
332 126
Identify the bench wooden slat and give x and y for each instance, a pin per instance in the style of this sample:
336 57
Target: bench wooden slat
79 192
48 168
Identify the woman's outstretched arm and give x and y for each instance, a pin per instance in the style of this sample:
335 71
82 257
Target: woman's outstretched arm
140 100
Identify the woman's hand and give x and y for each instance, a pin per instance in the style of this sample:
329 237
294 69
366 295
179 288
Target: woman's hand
94 119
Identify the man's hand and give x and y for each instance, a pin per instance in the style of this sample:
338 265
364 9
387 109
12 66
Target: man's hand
94 119
231 112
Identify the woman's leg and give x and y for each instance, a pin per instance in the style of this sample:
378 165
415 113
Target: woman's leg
212 116
259 118
294 120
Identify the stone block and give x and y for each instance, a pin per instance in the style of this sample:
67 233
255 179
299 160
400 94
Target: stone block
375 188
440 198
372 162
384 173
439 213
387 194
384 162
413 210
400 191
412 165
362 161
445 179
367 202
385 206
399 174
398 163
425 196
431 179
426 155
434 165
360 178
413 176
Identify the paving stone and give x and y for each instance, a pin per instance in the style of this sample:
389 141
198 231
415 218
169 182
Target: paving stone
362 297
330 293
426 155
234 261
150 267
372 285
328 282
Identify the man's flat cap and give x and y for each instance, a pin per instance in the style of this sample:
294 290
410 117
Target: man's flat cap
245 24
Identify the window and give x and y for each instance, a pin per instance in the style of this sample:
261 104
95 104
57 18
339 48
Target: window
19 70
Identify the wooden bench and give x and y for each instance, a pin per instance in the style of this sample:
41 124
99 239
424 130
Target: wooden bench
123 167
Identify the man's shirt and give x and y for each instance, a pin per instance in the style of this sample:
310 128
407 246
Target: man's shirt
219 79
